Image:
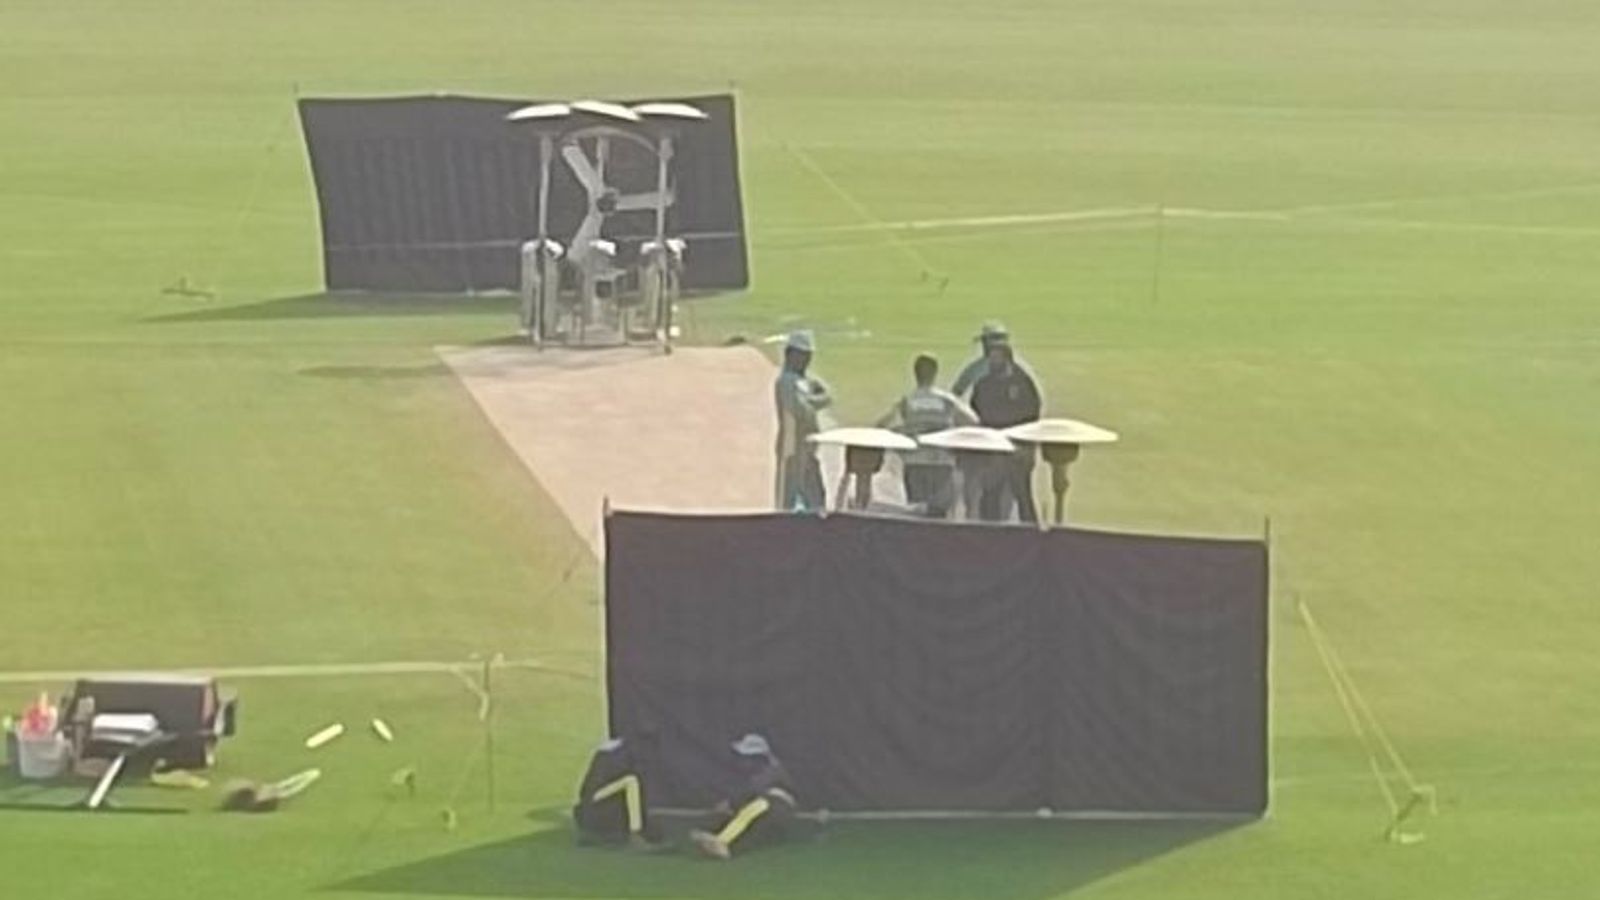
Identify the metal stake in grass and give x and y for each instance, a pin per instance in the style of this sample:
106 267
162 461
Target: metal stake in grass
488 727
1420 796
406 779
1159 257
484 748
183 287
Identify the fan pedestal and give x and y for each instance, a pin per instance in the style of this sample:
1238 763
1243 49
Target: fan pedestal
1059 456
861 464
1059 442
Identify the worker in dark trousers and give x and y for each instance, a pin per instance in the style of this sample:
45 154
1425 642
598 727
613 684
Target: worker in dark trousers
760 809
1006 395
611 806
799 398
929 472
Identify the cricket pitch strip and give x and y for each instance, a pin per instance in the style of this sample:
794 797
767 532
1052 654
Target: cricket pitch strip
692 432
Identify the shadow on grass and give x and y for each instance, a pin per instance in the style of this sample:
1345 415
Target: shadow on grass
68 794
348 305
378 373
900 861
15 789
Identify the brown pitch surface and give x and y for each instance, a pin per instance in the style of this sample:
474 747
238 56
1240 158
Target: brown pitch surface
689 432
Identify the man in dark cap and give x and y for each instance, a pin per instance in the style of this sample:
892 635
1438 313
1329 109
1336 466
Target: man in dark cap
1003 396
799 399
759 810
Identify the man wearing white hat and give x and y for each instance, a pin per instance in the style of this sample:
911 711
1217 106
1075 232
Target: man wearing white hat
611 806
990 333
760 810
799 399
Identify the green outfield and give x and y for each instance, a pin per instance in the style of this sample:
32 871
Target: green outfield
1368 312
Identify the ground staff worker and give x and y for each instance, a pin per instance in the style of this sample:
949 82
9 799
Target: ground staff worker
1006 395
799 399
760 809
929 472
611 800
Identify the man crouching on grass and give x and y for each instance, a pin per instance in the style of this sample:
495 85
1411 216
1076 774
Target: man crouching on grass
611 808
760 811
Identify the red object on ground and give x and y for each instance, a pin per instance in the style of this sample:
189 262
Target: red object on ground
39 719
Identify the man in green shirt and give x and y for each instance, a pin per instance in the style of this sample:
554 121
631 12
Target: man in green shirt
928 471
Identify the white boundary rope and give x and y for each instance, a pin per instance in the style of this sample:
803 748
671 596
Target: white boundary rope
1383 759
311 670
1330 213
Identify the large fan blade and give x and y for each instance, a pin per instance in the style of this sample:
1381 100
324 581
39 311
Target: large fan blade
584 171
671 111
540 111
587 232
609 110
628 202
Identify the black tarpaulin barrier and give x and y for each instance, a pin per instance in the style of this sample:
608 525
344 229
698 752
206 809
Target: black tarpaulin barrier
437 194
912 666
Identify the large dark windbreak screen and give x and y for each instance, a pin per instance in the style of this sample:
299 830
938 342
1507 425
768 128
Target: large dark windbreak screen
923 666
438 193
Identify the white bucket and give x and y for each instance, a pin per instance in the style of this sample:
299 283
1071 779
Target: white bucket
41 757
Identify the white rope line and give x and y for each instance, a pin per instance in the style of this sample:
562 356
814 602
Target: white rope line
1327 211
988 221
1415 199
928 239
311 670
1247 215
866 215
928 236
284 128
1574 231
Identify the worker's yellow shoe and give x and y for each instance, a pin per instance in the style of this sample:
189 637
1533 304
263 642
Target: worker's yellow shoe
709 845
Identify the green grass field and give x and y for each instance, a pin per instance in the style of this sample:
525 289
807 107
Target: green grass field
1402 370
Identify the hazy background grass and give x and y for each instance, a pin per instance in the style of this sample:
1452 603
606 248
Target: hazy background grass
1402 373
